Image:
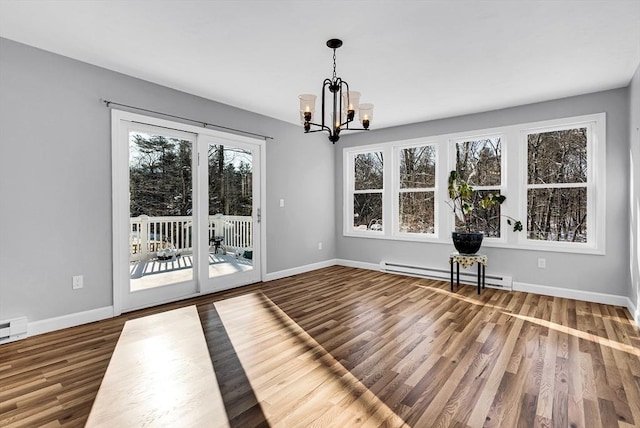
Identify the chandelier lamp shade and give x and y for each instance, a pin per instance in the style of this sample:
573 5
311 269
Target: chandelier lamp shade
342 109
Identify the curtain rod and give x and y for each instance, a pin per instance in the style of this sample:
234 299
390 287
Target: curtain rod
108 103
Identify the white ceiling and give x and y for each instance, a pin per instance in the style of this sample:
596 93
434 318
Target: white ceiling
414 60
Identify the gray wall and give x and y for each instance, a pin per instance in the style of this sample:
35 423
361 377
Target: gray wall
634 153
596 273
55 185
55 180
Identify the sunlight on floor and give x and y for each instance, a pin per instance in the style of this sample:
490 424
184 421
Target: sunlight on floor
471 300
296 382
581 334
160 376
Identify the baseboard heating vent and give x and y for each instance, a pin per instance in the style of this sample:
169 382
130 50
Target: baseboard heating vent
13 329
467 276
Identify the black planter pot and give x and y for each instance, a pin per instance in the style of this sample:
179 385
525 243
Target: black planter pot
467 243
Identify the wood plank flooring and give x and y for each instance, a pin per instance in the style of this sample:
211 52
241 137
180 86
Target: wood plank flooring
345 347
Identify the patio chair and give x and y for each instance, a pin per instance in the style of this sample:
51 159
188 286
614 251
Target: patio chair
216 241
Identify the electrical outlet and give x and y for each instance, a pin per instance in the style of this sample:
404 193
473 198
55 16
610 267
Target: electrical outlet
319 245
542 263
77 282
281 203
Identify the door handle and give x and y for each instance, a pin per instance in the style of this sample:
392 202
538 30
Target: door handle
259 215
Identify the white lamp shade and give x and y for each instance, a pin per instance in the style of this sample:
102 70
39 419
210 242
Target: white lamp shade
350 100
307 104
365 113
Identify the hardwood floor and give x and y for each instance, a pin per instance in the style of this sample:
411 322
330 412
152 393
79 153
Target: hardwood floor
345 347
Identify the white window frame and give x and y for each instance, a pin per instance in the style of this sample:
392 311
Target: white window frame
595 185
502 188
513 185
350 191
395 199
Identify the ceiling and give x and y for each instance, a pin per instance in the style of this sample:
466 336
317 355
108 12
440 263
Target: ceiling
414 60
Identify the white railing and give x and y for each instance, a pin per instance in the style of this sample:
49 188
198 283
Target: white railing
237 231
147 234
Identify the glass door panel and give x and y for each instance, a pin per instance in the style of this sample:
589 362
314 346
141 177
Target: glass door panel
230 193
161 232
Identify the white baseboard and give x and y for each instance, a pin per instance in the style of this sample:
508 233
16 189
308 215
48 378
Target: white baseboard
635 312
587 296
298 270
70 320
354 264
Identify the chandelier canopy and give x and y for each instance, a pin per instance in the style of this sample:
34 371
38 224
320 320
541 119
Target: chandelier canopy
344 105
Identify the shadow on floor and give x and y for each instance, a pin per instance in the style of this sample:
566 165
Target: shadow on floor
232 379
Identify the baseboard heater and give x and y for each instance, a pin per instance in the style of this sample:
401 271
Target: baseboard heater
13 329
467 276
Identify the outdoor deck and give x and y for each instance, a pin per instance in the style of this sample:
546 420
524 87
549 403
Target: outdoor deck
156 273
229 237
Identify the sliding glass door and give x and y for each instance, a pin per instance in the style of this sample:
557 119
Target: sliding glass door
186 211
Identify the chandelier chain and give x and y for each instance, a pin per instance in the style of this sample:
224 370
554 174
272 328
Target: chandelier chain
334 65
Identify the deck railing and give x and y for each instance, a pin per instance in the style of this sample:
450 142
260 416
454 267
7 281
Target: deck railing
148 234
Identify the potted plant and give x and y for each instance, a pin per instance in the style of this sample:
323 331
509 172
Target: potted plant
466 238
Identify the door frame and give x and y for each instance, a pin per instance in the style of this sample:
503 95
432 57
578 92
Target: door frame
120 204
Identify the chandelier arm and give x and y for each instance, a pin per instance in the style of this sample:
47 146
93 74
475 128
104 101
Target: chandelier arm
319 130
326 128
336 113
342 82
356 129
339 96
327 82
346 85
321 126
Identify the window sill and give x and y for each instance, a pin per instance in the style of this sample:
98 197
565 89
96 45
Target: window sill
487 243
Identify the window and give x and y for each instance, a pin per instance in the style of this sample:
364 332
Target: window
416 194
479 162
557 184
552 174
368 185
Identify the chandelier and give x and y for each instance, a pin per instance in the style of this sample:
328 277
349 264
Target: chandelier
343 108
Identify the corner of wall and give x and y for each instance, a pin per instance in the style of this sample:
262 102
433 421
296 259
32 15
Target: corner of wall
634 195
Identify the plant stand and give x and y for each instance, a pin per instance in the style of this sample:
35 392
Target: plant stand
468 260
